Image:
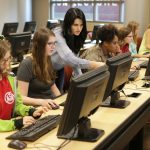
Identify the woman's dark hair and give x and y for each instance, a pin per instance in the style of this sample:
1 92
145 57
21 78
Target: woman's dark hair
74 42
107 33
42 65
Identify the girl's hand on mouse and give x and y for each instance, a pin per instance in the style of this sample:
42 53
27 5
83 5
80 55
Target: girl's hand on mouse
52 104
39 111
28 120
45 103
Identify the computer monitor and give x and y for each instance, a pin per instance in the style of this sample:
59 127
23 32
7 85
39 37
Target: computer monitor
9 28
94 32
61 21
147 73
52 24
119 68
20 44
147 76
84 97
29 26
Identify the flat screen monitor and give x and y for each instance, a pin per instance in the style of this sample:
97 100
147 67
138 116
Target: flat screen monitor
61 22
119 68
94 32
29 26
147 73
84 98
52 24
20 44
10 28
147 76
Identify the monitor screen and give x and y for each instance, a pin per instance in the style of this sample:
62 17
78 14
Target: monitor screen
29 26
119 68
84 97
20 44
52 24
9 28
95 30
147 73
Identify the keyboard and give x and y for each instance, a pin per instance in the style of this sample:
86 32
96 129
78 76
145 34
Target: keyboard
144 64
35 131
133 75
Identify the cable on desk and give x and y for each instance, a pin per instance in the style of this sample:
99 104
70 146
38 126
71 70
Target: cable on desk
64 143
40 146
124 93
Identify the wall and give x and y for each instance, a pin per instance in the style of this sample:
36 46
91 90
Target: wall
15 11
40 12
24 12
8 11
135 10
138 11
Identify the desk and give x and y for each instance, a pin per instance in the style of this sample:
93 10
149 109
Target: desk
120 126
138 83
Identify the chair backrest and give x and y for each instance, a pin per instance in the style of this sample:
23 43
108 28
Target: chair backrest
68 74
139 40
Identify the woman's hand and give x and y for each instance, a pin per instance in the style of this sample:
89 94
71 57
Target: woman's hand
28 120
95 64
48 103
39 111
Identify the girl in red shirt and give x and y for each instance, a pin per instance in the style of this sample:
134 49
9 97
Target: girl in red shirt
10 100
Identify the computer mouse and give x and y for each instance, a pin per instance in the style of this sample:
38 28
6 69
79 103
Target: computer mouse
55 106
17 144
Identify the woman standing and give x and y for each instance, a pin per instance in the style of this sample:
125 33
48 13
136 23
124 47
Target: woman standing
70 39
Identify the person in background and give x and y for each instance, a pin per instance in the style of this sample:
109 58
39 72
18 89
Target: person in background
35 75
145 44
70 39
108 47
11 104
125 38
134 26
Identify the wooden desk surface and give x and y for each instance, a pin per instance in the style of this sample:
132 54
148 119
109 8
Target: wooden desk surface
108 119
138 83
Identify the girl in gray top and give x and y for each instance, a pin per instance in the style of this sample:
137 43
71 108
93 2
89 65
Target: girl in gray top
70 39
36 75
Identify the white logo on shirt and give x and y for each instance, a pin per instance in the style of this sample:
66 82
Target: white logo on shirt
9 98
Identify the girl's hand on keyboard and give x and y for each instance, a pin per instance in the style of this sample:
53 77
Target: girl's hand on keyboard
39 111
28 120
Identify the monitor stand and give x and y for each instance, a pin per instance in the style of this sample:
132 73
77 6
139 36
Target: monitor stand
114 101
84 132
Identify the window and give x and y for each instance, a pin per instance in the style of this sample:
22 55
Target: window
95 10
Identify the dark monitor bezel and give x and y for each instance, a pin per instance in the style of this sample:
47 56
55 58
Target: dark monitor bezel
95 32
14 39
7 28
28 25
52 24
119 68
147 72
77 106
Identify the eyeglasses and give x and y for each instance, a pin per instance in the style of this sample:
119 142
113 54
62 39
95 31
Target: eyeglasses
6 60
52 43
130 36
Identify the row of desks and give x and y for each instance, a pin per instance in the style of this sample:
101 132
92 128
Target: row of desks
121 126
